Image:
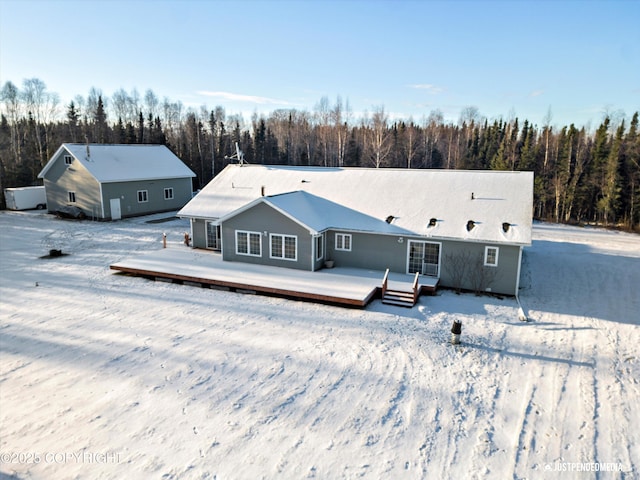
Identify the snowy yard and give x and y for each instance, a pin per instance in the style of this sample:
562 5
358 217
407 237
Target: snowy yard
109 376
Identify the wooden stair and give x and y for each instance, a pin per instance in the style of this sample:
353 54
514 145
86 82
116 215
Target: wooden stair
399 298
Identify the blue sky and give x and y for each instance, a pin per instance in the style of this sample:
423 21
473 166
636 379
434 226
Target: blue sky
507 58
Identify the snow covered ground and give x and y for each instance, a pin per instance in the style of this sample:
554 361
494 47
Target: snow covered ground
109 376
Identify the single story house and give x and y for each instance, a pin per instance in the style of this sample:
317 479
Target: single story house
109 182
466 228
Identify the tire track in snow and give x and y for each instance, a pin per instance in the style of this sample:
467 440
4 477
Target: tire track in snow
525 433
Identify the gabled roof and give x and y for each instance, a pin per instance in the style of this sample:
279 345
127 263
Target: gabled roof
123 163
409 198
319 214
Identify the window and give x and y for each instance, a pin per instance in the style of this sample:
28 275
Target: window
319 247
284 246
343 241
143 196
491 256
248 243
213 236
72 197
168 193
68 159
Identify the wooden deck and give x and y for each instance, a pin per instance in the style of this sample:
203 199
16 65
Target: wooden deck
338 286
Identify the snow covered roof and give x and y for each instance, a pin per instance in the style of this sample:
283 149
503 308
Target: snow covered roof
430 203
319 214
124 163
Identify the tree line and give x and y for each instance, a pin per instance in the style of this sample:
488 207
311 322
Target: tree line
580 175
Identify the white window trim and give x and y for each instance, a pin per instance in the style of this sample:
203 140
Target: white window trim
439 265
283 249
248 234
216 247
145 196
343 236
71 196
168 190
319 251
68 159
486 256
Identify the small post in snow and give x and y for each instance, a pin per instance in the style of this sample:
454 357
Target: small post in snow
456 330
164 240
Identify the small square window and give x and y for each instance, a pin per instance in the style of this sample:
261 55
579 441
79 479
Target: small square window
168 193
491 256
68 159
143 196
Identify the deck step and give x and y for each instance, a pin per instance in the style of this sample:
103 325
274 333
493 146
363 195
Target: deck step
398 298
399 293
398 303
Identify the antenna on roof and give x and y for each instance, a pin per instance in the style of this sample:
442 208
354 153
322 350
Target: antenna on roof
238 155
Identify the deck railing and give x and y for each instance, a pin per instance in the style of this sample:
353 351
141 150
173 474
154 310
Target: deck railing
385 281
416 289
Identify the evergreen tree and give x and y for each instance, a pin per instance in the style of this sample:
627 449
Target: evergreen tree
72 122
631 174
141 133
598 172
100 119
609 202
119 132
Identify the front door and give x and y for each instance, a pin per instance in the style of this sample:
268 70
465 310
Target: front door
116 213
424 257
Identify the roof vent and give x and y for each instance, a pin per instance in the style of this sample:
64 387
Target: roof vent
505 227
470 225
433 222
390 219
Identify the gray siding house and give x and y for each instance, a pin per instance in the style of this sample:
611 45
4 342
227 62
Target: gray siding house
109 182
465 228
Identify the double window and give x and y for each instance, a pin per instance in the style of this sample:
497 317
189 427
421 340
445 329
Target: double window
72 197
168 193
343 242
248 243
68 159
284 246
143 196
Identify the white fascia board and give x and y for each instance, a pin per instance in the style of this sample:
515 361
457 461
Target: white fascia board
265 200
472 240
50 163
